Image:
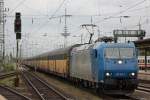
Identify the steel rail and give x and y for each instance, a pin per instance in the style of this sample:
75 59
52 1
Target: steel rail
144 88
14 92
47 85
7 75
32 85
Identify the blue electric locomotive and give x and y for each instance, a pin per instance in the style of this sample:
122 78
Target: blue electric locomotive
112 66
117 65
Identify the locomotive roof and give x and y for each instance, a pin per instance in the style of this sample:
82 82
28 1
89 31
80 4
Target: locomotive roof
83 47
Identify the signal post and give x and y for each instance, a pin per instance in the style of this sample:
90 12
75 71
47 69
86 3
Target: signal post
17 29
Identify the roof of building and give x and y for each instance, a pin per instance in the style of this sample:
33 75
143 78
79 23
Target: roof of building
145 43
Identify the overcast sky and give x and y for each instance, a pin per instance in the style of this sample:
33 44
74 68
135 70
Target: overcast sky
40 33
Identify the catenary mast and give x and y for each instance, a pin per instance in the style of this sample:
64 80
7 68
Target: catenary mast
2 28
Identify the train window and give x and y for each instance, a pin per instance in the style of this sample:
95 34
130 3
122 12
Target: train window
126 52
148 60
140 61
111 53
143 61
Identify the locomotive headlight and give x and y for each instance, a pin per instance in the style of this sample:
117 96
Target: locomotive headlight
132 74
107 74
120 62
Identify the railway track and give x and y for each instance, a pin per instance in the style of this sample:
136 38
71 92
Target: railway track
7 75
44 90
144 81
144 74
144 84
144 87
11 94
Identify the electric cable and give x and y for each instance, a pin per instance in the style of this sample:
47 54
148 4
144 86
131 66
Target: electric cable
39 28
19 4
133 6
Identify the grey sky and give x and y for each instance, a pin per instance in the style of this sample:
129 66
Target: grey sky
37 28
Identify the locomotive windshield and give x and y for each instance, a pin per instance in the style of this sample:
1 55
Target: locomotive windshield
118 53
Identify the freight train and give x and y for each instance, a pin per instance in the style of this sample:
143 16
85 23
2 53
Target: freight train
108 67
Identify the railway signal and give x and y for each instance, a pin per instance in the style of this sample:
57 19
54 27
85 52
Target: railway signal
17 29
17 25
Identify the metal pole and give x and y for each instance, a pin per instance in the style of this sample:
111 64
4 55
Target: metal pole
20 56
65 29
3 38
2 24
17 65
145 60
81 38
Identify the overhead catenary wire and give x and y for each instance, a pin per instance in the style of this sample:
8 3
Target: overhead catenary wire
57 9
104 18
44 16
18 5
123 11
133 6
39 28
138 9
33 9
135 25
52 16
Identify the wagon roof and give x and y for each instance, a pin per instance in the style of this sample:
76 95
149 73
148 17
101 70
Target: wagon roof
57 51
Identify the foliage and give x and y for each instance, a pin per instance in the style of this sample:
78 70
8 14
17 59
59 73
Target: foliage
9 67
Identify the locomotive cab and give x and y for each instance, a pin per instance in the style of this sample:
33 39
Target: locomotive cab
118 68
